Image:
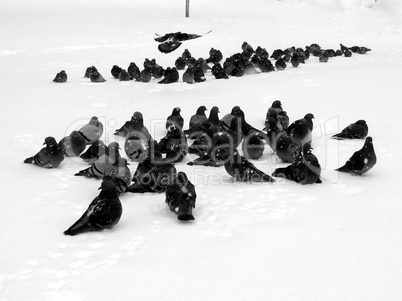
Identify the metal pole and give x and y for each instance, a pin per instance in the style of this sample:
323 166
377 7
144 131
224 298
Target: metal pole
187 8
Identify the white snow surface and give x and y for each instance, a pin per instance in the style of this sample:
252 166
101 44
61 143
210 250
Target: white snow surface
339 240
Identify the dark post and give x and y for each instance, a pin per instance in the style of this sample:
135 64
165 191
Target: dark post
187 8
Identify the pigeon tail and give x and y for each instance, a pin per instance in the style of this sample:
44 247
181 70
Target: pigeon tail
80 226
343 169
29 160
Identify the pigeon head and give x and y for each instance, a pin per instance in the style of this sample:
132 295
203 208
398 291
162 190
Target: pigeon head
50 141
137 116
176 111
309 116
94 120
369 140
201 110
277 104
76 136
361 122
215 110
235 110
114 146
240 114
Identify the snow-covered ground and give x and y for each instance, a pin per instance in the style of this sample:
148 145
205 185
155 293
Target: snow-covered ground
340 240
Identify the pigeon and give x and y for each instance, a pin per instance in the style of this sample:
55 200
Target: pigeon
96 77
94 151
215 56
104 164
188 75
330 52
315 49
363 50
175 118
226 120
280 64
276 54
115 71
199 74
300 130
265 65
243 170
48 157
61 77
286 149
171 75
261 52
253 147
124 76
152 176
145 75
103 212
218 71
73 145
136 148
305 170
89 71
362 160
302 56
199 117
181 197
171 41
134 71
295 60
92 131
275 107
323 57
357 130
174 144
158 72
134 127
180 63
186 55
